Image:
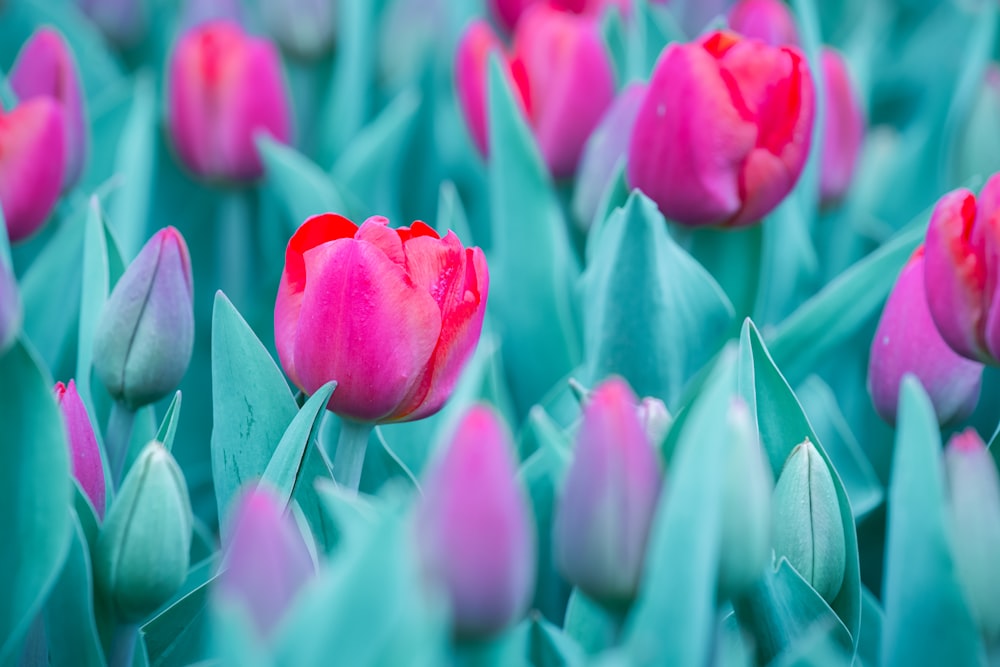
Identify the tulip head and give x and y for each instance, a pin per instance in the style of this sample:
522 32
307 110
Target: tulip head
391 314
611 491
145 334
88 469
769 21
843 129
474 528
906 341
225 86
45 67
143 548
267 561
962 254
724 130
32 154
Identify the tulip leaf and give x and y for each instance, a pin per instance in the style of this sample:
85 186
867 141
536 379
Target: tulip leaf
731 256
130 207
168 425
300 184
921 589
872 621
782 425
788 264
35 500
176 636
451 214
252 405
69 611
532 281
590 624
383 464
94 292
653 314
548 646
615 195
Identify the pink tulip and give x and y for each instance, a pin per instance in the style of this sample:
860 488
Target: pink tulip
508 12
769 21
45 67
724 131
561 72
963 266
906 341
32 155
224 87
391 314
474 528
604 516
843 129
87 466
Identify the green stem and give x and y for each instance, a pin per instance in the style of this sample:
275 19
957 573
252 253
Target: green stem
117 437
349 458
234 247
123 646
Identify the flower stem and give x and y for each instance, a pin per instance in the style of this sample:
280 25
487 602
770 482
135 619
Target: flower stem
234 248
349 458
116 439
123 646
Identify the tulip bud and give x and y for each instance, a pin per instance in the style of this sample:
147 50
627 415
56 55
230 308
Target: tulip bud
45 67
974 509
474 528
963 260
10 306
655 419
724 130
142 551
808 529
145 335
88 469
746 518
122 22
224 87
32 153
906 341
610 495
769 21
605 149
843 129
267 561
304 28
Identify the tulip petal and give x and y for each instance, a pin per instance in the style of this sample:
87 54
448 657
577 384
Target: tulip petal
375 230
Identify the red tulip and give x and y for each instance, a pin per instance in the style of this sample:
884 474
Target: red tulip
390 314
508 12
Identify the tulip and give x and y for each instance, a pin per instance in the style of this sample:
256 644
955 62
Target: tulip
88 469
843 129
508 12
562 74
123 22
305 28
724 131
808 529
474 528
142 553
769 21
45 67
145 334
906 341
963 263
224 87
977 149
267 561
611 491
973 493
32 153
391 314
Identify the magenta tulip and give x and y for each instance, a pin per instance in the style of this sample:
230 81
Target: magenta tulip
906 341
508 12
769 21
225 87
843 129
474 528
724 131
963 266
391 314
87 466
32 157
45 67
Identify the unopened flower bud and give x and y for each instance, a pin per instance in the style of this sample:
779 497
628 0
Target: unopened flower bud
87 466
655 419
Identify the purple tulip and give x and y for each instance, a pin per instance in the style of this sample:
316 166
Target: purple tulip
87 466
769 21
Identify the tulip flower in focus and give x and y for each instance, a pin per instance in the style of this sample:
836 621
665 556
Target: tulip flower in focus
508 12
45 67
304 28
560 71
769 21
906 341
843 129
267 561
123 22
84 451
962 252
611 492
724 131
32 157
145 334
224 86
474 528
391 314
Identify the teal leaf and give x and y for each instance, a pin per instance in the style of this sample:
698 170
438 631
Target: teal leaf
168 426
451 214
35 500
176 636
303 188
927 621
548 646
381 465
130 207
94 289
592 626
872 621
